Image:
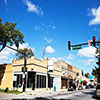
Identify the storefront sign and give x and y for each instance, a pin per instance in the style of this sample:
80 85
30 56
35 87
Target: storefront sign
50 65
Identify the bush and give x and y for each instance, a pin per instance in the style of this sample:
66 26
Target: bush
6 89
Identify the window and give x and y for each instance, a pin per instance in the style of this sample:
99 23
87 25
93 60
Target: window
18 81
41 81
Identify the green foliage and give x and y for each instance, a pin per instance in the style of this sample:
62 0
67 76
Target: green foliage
10 91
8 34
2 71
6 89
28 52
96 70
87 74
82 73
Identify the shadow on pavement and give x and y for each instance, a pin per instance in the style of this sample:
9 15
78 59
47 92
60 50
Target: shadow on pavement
93 95
40 98
97 98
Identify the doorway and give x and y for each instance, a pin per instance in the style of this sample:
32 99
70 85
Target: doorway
31 80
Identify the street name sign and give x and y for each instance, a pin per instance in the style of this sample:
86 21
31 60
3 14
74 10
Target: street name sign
76 47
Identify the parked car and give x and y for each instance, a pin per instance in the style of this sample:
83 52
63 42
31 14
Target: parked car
87 87
97 92
91 86
80 88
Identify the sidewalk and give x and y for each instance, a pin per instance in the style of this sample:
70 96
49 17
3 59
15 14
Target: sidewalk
47 93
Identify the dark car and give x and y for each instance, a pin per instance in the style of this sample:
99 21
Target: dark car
91 86
80 88
87 87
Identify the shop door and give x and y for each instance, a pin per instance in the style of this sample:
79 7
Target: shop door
31 80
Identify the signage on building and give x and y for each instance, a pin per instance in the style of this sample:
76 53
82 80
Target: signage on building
50 65
91 77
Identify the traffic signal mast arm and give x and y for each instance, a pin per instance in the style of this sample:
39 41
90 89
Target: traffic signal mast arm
83 44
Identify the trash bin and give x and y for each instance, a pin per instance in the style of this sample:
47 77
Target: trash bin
54 88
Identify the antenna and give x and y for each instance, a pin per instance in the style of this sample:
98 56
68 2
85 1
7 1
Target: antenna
44 52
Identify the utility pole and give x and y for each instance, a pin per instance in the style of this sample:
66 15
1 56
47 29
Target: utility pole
24 69
44 53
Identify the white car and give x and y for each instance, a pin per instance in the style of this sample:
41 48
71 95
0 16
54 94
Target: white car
98 90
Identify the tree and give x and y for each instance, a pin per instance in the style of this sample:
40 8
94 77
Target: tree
96 70
87 74
8 34
29 53
2 71
82 73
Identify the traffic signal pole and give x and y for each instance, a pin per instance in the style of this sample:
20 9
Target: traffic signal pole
84 44
78 46
24 68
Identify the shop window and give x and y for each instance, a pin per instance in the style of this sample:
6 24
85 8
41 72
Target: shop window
41 81
17 82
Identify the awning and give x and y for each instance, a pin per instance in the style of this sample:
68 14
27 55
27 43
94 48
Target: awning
84 81
80 81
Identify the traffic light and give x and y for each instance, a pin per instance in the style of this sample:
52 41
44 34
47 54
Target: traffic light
69 48
93 42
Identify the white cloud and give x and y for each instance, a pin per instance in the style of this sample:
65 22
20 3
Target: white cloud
54 27
37 27
96 14
70 56
49 49
54 59
48 40
87 52
5 1
6 53
34 8
61 58
68 62
21 46
88 62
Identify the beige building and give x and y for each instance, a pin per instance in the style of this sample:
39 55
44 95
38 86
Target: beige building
76 72
41 74
64 72
6 76
37 77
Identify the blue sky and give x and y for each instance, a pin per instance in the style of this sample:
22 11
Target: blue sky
53 23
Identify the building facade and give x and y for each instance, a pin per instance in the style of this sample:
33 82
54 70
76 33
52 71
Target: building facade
64 73
6 76
37 77
41 74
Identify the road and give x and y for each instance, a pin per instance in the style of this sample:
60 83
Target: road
78 95
86 94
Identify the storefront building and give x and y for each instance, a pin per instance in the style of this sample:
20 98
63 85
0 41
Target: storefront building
70 80
40 75
64 68
37 76
6 76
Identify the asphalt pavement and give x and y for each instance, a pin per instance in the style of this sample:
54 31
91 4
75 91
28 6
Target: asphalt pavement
86 94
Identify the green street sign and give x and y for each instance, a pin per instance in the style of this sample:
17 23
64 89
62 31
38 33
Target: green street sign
76 47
